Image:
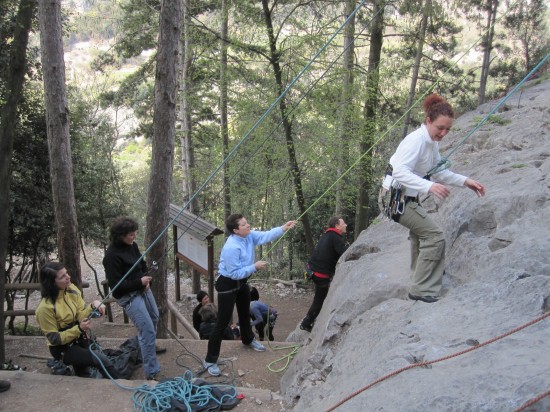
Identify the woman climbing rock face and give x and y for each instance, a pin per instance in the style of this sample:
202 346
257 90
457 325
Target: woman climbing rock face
413 160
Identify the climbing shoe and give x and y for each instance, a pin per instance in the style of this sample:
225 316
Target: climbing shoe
212 368
427 299
257 346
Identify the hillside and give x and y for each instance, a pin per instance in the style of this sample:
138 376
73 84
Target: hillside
497 279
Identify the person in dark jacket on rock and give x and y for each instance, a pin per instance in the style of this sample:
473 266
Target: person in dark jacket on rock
323 264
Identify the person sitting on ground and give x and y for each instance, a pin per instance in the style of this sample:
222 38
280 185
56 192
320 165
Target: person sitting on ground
209 316
203 299
262 315
64 318
323 264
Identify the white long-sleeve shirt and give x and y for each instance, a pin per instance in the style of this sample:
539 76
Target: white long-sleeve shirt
415 156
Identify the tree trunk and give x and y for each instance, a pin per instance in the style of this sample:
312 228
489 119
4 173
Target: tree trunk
223 107
371 103
274 60
164 124
491 10
187 149
426 12
59 144
8 119
188 155
346 110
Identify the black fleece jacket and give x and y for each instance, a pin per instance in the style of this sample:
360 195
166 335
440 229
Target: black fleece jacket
118 259
327 252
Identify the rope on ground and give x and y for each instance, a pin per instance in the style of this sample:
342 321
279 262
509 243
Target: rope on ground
181 389
286 358
423 364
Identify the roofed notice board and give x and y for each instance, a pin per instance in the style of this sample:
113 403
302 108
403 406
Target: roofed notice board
193 249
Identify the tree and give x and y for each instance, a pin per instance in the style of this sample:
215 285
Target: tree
287 125
426 12
8 119
59 144
164 124
369 112
346 109
526 23
223 107
490 8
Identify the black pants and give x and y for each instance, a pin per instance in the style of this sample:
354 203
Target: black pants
260 328
321 292
80 358
230 293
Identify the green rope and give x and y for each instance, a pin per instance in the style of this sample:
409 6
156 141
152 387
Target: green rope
444 163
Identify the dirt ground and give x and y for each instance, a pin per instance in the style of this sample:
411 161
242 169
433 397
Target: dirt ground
256 375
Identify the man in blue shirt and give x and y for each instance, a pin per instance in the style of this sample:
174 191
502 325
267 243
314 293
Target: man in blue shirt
236 266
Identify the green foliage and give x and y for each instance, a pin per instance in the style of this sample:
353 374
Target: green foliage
24 329
32 224
96 178
494 119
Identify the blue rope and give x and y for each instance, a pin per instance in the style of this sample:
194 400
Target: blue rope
149 398
182 389
444 163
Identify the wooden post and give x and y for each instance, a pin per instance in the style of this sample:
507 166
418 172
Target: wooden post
188 326
210 241
176 262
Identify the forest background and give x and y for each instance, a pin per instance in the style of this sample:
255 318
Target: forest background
277 110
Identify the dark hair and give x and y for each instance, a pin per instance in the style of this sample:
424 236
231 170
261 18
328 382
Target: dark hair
120 227
201 294
232 222
333 221
254 294
435 106
48 273
208 313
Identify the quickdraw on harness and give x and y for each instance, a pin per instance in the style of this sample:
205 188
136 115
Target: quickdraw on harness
391 200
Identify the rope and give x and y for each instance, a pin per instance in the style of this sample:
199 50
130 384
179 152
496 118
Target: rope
444 163
180 388
426 363
533 401
158 397
286 358
240 143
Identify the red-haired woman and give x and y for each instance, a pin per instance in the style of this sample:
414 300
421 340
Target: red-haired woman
415 156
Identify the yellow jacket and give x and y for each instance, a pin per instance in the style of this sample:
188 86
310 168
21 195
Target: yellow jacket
59 321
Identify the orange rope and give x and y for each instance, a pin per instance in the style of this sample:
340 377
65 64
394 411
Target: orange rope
532 401
422 364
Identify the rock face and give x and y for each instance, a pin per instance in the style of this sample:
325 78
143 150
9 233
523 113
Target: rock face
497 279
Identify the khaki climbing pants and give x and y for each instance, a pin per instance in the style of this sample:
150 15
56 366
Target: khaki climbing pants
427 250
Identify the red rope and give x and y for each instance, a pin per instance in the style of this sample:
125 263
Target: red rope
532 401
421 364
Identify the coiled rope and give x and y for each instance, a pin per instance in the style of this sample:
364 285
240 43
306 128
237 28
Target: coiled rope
158 397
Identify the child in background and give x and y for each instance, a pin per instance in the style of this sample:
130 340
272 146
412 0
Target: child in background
259 312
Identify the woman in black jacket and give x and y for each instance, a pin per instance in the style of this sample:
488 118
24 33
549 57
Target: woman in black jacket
323 264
